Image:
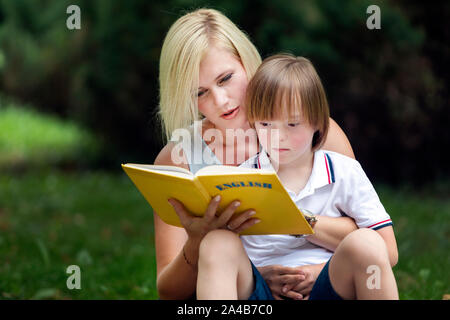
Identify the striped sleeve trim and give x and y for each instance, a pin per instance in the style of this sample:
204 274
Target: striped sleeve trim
381 224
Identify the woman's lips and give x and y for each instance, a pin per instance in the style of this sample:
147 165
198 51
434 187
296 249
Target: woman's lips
281 149
231 114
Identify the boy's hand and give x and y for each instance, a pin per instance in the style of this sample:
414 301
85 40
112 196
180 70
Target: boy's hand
305 286
277 277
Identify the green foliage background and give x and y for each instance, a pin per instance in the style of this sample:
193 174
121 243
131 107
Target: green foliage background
387 88
87 99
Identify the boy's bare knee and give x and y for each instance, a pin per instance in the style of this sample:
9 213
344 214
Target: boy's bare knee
364 245
219 243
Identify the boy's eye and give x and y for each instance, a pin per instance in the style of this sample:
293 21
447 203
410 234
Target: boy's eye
226 78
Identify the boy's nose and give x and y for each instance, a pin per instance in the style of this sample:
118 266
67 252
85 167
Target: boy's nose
282 134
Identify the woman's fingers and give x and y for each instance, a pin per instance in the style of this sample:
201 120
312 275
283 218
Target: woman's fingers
226 214
211 211
240 219
245 225
214 219
185 217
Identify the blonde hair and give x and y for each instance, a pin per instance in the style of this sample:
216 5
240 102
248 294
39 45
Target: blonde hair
183 49
284 84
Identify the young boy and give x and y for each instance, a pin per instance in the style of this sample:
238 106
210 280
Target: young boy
287 106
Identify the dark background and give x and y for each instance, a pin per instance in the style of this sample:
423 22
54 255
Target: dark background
387 88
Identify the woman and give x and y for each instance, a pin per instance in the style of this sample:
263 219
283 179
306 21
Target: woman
206 63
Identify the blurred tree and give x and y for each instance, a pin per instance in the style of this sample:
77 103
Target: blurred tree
104 75
381 85
387 88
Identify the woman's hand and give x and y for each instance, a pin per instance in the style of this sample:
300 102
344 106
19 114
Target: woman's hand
198 227
303 287
281 278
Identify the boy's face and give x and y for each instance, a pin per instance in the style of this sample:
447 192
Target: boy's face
286 139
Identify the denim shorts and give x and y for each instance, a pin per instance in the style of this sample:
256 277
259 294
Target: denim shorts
322 289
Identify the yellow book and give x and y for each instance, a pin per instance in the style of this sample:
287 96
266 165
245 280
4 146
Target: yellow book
256 189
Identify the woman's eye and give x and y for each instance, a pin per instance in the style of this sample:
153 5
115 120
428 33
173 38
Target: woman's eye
293 124
264 124
226 78
200 93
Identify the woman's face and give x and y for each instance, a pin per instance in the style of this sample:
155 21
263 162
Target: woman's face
222 86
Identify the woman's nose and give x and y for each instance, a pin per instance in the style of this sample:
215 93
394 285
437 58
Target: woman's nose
220 97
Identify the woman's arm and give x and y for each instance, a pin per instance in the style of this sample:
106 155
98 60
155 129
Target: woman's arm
337 141
175 278
177 249
329 231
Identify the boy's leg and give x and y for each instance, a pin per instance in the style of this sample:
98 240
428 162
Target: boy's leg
349 270
224 270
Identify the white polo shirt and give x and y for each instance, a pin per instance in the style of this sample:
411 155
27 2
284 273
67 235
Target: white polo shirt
337 187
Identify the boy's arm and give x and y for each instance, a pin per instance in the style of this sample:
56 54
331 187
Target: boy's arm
364 206
329 231
387 233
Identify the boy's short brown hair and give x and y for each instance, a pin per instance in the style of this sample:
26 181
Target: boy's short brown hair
285 83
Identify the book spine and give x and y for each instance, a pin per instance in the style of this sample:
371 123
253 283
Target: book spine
202 190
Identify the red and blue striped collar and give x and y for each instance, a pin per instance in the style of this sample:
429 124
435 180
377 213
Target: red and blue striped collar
329 168
323 172
262 161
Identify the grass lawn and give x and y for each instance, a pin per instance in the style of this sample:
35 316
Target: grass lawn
421 224
99 221
29 138
51 219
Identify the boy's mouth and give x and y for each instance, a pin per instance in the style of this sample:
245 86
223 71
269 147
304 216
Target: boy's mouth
231 113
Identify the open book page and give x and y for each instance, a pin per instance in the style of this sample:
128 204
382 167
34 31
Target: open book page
167 170
157 186
262 191
256 189
228 170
